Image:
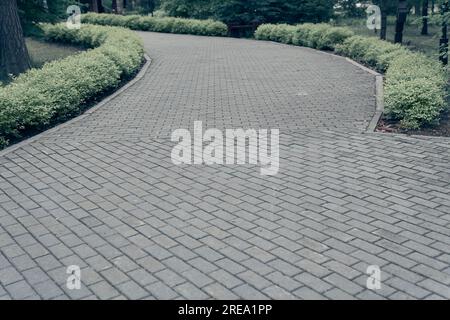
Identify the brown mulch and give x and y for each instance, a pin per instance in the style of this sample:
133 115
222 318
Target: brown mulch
442 130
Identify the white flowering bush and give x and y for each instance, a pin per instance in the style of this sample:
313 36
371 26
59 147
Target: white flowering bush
59 90
164 24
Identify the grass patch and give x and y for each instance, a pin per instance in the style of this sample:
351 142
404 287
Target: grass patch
412 39
42 52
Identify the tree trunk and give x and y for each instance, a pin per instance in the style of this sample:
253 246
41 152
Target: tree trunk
424 17
14 58
151 6
417 8
93 5
119 6
402 13
100 7
114 6
383 30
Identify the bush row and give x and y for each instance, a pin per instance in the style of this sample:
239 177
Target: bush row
415 85
57 91
319 36
168 24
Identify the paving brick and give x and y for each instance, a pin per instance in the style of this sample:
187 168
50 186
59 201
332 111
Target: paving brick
343 284
9 275
217 291
191 292
226 279
114 276
245 291
408 287
161 291
254 279
20 290
48 289
103 193
132 290
306 293
197 277
104 290
278 293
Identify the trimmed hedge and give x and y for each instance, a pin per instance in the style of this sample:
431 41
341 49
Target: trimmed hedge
168 25
415 86
319 36
41 97
373 52
415 90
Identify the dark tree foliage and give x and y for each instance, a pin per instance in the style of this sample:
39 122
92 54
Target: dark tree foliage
349 8
200 9
252 11
31 11
424 17
390 6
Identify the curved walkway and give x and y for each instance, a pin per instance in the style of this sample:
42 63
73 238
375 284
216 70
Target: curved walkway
103 194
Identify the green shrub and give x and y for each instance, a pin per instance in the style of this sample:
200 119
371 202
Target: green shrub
415 90
263 32
301 34
415 86
282 33
41 97
320 36
163 24
371 51
332 37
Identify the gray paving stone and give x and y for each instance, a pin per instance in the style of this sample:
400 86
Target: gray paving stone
218 291
114 276
245 291
48 289
191 292
161 291
306 293
103 193
9 275
196 277
132 290
104 290
20 290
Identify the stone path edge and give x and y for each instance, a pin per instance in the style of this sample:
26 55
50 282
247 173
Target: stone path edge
379 95
107 99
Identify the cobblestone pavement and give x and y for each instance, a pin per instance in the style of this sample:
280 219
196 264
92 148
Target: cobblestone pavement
102 192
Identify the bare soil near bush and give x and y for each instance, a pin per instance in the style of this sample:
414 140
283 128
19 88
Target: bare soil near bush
442 130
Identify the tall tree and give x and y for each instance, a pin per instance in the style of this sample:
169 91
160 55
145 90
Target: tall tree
117 6
252 11
349 8
384 13
151 6
120 6
14 58
424 17
402 13
417 8
114 6
93 5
